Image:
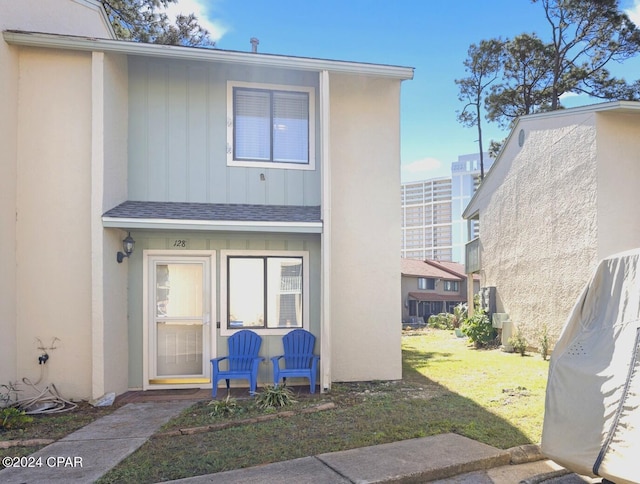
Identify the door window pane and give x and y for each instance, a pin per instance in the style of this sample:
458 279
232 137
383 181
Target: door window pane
179 349
179 290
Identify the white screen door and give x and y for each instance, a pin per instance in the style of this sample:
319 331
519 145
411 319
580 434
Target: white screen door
179 319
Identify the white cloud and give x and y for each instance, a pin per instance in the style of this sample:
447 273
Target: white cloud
565 95
634 12
201 9
422 169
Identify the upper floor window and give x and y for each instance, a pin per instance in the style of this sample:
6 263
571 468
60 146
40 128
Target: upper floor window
426 283
451 286
270 126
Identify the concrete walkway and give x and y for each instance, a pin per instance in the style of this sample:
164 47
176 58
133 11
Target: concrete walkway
89 453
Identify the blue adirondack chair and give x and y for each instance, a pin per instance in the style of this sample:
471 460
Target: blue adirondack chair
299 359
242 361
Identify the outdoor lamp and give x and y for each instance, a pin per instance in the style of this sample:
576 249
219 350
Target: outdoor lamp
127 245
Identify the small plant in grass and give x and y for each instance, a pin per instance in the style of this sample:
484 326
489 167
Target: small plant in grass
519 343
274 397
544 342
12 418
8 394
223 408
479 329
459 314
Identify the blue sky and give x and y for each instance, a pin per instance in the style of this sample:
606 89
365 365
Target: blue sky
430 35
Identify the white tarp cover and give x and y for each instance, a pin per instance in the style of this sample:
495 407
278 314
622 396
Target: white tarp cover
592 409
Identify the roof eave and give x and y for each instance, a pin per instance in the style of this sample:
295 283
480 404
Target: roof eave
212 225
472 211
36 39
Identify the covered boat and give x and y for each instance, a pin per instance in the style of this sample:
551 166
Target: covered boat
592 408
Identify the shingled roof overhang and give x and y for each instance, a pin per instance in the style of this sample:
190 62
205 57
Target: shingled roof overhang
214 217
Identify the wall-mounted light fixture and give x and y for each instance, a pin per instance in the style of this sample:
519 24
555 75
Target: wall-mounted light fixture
127 245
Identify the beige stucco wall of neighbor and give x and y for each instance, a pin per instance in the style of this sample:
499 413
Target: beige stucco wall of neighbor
365 228
109 188
53 218
538 220
80 17
72 17
59 16
618 176
8 137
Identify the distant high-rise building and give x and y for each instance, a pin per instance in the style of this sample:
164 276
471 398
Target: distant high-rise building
432 223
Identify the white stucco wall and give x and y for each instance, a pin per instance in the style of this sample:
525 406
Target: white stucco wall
618 177
53 218
538 220
365 228
72 17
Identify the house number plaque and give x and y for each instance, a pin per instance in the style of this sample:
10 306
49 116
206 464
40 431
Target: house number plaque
180 244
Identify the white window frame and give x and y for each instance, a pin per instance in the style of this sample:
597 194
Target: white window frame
311 165
423 283
148 352
451 286
224 254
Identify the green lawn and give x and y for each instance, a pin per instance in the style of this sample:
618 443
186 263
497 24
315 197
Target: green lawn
487 395
507 385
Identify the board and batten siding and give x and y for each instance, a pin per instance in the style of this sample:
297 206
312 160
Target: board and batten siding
271 345
177 137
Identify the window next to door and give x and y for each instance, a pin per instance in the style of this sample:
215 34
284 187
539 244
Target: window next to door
264 291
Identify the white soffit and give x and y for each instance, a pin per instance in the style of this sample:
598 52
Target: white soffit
212 225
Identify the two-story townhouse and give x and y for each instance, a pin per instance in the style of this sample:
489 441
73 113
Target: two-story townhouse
248 183
430 287
559 198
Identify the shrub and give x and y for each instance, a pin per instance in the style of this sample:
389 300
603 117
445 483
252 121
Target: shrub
544 342
12 418
441 321
274 397
479 329
223 408
519 343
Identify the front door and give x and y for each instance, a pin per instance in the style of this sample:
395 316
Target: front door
179 332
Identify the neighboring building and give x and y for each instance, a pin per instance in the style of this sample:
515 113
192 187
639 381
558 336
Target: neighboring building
426 219
431 287
432 223
560 197
245 180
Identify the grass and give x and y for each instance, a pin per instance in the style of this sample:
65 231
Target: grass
487 395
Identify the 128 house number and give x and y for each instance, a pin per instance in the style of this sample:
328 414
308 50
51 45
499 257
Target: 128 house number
180 244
